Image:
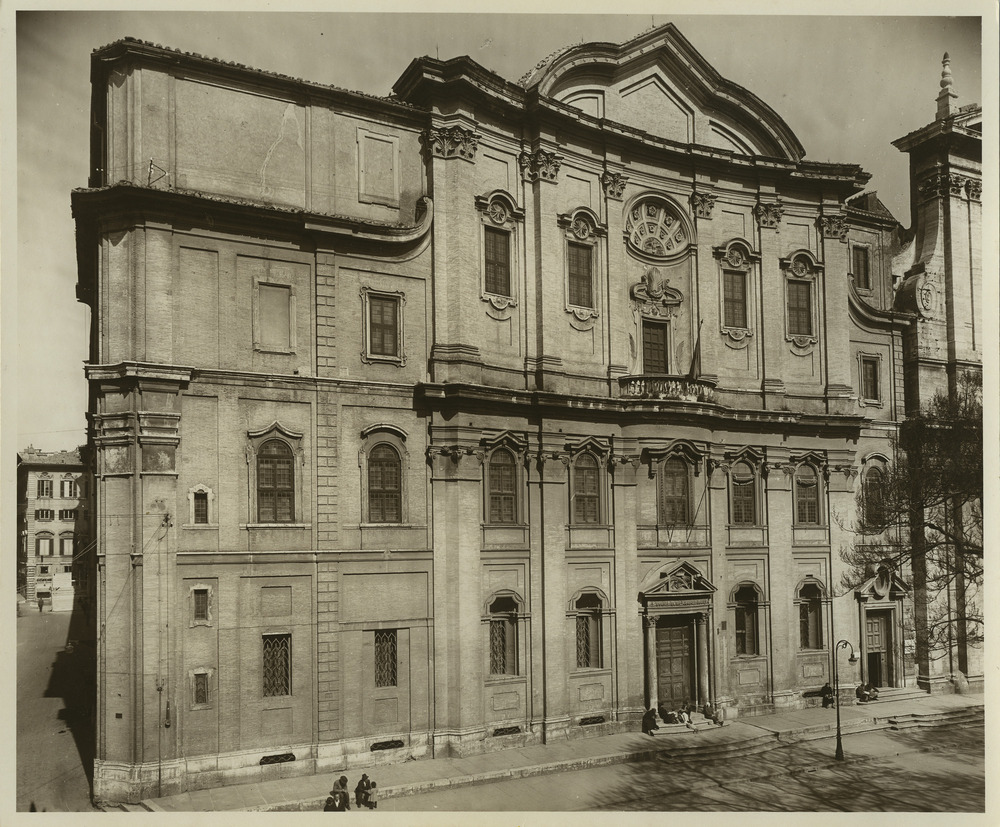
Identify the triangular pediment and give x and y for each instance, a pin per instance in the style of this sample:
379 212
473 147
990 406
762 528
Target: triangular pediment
884 586
658 83
678 581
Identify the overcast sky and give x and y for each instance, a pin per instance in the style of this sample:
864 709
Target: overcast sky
847 86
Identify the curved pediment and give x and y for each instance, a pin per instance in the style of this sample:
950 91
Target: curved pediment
658 83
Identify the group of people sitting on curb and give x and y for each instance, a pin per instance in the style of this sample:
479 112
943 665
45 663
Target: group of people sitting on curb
339 800
864 693
681 715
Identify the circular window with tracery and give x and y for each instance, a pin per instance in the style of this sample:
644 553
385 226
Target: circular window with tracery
654 229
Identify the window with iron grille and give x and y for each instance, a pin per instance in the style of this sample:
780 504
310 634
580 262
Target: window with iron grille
503 636
744 511
581 274
497 249
277 671
869 379
810 617
675 492
655 358
735 298
800 308
586 490
385 658
201 507
275 483
862 275
502 487
588 632
44 514
44 488
383 325
200 688
201 604
746 621
385 485
806 495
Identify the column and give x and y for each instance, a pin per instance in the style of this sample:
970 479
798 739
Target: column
702 637
651 683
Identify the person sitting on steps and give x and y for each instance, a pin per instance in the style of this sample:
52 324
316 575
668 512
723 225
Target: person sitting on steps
826 693
862 694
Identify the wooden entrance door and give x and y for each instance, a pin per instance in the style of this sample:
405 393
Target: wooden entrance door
674 662
878 648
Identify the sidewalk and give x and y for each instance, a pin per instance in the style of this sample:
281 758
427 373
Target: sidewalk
744 736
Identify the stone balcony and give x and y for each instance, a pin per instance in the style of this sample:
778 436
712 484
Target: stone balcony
660 386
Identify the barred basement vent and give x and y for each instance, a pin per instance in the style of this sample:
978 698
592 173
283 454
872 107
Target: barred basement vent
593 719
507 730
280 758
395 743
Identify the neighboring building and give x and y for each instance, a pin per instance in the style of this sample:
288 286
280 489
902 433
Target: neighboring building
480 415
940 269
53 528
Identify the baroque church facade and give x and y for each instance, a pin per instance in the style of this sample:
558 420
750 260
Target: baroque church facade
487 413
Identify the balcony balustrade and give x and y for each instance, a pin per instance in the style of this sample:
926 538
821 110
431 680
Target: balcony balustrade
659 386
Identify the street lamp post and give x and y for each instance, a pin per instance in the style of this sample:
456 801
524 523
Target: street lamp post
841 644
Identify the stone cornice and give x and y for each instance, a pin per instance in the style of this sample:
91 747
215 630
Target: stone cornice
707 415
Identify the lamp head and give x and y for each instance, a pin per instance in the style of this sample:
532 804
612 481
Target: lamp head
853 659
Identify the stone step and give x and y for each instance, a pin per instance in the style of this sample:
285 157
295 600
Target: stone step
700 752
956 717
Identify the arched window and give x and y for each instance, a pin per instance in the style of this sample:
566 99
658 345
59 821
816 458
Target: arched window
810 599
588 632
747 637
502 487
873 499
806 496
503 636
675 492
385 485
744 495
275 483
586 490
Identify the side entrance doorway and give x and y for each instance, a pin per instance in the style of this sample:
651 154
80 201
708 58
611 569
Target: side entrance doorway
878 648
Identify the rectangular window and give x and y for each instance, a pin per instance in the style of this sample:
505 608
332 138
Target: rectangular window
588 641
201 507
809 628
201 688
277 665
735 285
44 546
862 274
377 173
200 604
275 317
503 639
581 275
383 325
746 630
869 379
66 546
654 347
44 514
67 514
800 308
385 658
44 488
68 489
497 261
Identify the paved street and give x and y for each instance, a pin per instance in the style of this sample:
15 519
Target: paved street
54 730
925 770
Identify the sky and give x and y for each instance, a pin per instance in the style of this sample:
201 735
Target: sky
846 85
